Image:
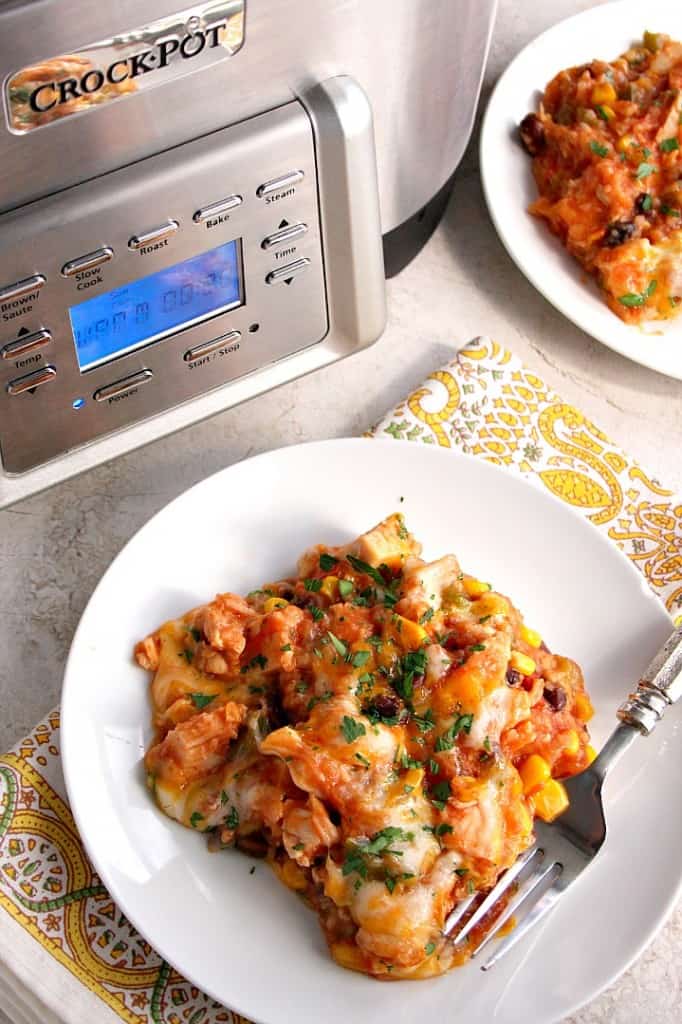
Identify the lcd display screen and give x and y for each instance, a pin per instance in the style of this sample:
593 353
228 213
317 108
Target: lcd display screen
153 307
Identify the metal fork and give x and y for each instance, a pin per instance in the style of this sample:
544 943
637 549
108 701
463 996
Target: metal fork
565 847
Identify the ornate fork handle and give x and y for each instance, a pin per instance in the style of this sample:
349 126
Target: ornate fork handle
660 686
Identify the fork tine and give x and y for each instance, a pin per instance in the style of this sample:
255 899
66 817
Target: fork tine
538 911
459 911
525 900
507 878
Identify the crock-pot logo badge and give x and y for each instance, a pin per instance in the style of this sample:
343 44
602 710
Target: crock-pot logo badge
192 39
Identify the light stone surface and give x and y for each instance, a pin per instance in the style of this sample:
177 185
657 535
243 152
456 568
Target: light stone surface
55 547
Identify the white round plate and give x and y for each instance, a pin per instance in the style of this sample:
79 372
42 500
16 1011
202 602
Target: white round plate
244 938
602 32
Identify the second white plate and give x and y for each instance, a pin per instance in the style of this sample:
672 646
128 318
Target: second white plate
602 32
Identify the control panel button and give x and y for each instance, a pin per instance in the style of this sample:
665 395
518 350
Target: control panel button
277 184
28 343
211 346
215 209
286 234
121 387
155 235
32 380
92 259
285 274
19 288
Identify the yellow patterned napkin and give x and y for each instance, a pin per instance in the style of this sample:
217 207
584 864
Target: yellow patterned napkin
67 953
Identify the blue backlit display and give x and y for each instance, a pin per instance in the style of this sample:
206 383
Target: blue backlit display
158 305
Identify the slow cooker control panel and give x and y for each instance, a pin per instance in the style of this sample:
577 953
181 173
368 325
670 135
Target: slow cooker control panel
144 288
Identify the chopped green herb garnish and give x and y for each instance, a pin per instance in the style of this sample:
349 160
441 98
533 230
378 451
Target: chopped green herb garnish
223 798
434 767
359 659
647 202
402 529
638 299
200 700
187 655
668 145
442 829
486 743
313 586
409 762
316 613
367 569
644 170
430 948
352 729
597 148
426 617
195 818
327 561
232 820
447 739
285 647
462 872
669 211
424 722
376 641
440 793
298 846
412 664
337 644
259 661
477 647
363 760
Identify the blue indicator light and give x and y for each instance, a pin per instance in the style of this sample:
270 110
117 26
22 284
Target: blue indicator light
78 403
156 306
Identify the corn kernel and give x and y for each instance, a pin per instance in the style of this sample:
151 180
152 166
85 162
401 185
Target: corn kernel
492 604
522 663
572 743
274 602
551 800
534 772
348 955
591 753
652 41
582 707
413 778
525 820
603 93
292 876
409 634
330 586
474 588
625 142
530 636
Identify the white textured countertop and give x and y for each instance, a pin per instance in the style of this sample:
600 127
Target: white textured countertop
55 547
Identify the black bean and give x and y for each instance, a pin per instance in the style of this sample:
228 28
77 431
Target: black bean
513 677
555 697
532 134
618 232
643 203
386 705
